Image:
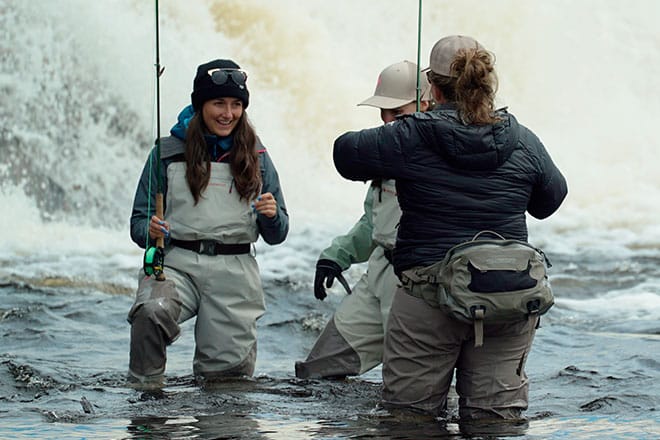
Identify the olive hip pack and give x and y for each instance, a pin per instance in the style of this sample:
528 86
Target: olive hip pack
487 281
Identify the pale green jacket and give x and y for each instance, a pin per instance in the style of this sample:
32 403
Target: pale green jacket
377 226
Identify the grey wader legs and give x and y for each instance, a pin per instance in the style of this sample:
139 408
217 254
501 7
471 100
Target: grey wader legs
331 357
487 378
352 341
230 304
225 326
223 291
154 326
423 345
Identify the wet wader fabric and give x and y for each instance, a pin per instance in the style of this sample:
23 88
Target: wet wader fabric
423 346
154 326
352 342
223 291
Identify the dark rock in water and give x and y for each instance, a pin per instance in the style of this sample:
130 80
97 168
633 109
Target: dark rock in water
599 403
86 405
153 395
27 377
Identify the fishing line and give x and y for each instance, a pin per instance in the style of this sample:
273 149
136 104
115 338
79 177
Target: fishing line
154 256
159 72
157 133
419 50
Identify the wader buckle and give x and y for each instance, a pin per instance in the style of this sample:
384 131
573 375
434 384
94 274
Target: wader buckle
207 247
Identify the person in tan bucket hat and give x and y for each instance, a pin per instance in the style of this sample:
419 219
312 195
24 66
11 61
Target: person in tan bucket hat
462 168
352 341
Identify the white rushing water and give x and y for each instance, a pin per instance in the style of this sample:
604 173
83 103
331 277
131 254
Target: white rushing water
77 80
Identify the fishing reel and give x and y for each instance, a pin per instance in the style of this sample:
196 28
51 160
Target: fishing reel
154 259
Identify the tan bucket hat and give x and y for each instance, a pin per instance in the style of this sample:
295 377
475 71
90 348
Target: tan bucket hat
444 51
397 86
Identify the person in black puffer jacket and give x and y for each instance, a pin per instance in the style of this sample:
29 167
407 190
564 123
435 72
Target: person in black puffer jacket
462 168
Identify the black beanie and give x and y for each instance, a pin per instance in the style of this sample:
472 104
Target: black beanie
204 88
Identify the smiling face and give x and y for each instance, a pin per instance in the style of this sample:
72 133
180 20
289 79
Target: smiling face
221 115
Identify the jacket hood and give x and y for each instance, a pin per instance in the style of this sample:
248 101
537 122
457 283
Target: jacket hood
469 147
179 129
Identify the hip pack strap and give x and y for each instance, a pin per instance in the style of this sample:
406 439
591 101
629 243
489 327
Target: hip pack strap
478 316
211 247
419 287
388 255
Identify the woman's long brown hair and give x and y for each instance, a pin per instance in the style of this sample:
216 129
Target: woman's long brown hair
243 158
472 85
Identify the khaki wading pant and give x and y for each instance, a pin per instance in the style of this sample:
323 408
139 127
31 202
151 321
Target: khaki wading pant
423 347
352 341
223 291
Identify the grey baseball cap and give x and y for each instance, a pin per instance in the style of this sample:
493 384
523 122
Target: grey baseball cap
397 86
444 51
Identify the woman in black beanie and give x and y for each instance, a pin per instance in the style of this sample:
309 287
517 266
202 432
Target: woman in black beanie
221 192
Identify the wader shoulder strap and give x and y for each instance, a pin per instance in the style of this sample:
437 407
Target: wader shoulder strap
171 146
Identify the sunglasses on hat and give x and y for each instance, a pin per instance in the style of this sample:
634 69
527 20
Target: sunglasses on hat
221 76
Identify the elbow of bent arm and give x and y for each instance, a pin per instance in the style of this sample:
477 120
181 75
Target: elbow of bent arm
344 156
277 231
544 206
138 237
354 156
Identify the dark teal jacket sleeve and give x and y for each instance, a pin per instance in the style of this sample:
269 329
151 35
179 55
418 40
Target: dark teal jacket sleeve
144 202
273 230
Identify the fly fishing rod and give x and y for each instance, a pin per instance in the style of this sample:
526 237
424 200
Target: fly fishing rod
154 256
418 91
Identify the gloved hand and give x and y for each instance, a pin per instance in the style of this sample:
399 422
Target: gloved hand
327 270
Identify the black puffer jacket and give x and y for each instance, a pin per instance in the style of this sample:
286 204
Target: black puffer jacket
454 180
